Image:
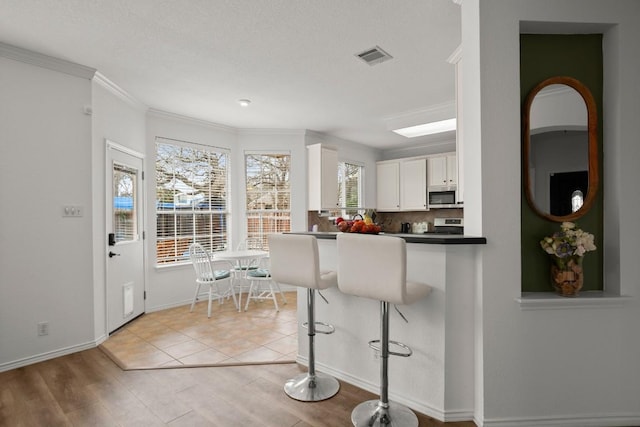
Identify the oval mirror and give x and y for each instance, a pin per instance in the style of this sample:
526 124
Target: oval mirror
560 149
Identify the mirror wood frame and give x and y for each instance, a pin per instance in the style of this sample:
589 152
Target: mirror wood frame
592 130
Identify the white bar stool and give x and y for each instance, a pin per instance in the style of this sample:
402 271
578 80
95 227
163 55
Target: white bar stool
376 267
295 261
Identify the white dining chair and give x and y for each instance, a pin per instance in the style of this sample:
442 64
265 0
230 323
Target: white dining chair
211 273
262 287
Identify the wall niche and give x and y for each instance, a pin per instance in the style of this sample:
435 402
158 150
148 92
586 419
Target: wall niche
578 56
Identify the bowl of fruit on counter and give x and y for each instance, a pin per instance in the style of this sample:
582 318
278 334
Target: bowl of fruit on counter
363 224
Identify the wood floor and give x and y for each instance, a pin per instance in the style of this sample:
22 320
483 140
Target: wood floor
89 389
177 338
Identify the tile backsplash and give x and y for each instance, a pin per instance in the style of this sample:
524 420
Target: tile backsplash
389 221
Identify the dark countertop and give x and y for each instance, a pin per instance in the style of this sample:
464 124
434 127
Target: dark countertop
429 239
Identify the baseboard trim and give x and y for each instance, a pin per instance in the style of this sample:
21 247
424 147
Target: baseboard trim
437 413
47 356
595 420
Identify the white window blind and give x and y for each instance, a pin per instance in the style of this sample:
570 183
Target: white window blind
268 191
350 187
191 198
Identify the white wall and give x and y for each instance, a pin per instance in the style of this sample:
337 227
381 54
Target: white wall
45 259
120 119
570 366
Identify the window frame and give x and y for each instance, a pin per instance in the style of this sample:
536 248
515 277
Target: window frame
207 215
277 216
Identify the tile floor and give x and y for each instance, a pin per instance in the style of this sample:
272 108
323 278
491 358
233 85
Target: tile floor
177 338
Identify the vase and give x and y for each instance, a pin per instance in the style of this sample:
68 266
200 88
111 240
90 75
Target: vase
567 278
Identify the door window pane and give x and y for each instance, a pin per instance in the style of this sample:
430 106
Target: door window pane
125 224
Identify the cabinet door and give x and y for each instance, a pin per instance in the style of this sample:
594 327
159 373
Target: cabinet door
388 186
438 171
413 179
329 178
452 169
322 170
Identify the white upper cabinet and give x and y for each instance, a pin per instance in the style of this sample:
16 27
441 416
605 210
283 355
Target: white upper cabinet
402 185
322 167
388 186
413 180
443 171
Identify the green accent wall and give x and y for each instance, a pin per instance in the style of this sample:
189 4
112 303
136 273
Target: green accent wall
543 56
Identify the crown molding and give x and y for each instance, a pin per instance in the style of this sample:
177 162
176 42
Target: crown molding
270 131
174 116
46 61
116 90
446 110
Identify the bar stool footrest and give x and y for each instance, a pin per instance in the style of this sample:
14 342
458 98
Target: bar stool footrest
374 344
330 328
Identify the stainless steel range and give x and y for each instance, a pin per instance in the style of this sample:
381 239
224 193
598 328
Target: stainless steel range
447 226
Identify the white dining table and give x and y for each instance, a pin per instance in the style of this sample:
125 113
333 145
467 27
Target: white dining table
242 259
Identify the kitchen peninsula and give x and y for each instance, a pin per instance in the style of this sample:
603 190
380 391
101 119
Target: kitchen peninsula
438 378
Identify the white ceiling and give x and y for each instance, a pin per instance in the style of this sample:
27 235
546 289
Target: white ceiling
294 59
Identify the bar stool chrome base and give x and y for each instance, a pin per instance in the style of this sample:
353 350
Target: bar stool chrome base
373 413
312 388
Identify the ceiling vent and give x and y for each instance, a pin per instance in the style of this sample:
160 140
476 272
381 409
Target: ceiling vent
374 56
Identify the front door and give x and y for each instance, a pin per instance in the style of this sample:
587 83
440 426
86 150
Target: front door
125 250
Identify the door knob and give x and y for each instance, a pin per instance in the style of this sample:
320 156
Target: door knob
112 254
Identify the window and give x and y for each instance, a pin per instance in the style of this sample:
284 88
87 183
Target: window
191 199
268 196
350 187
125 227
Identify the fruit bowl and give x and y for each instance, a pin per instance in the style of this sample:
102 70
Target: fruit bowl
363 226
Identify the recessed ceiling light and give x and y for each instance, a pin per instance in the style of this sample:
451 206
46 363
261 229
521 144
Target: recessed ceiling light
244 102
427 128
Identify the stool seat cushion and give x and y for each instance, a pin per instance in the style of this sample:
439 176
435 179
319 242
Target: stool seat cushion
416 291
217 275
374 266
258 272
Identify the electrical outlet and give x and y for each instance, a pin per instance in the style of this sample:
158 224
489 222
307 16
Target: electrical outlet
72 210
43 329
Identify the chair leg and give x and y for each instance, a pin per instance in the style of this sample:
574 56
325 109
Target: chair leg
381 412
195 296
210 296
273 295
249 295
311 386
232 291
284 298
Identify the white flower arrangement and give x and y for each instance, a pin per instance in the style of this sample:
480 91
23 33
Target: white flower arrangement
568 244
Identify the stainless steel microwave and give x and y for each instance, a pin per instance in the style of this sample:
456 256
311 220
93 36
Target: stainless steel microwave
441 198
